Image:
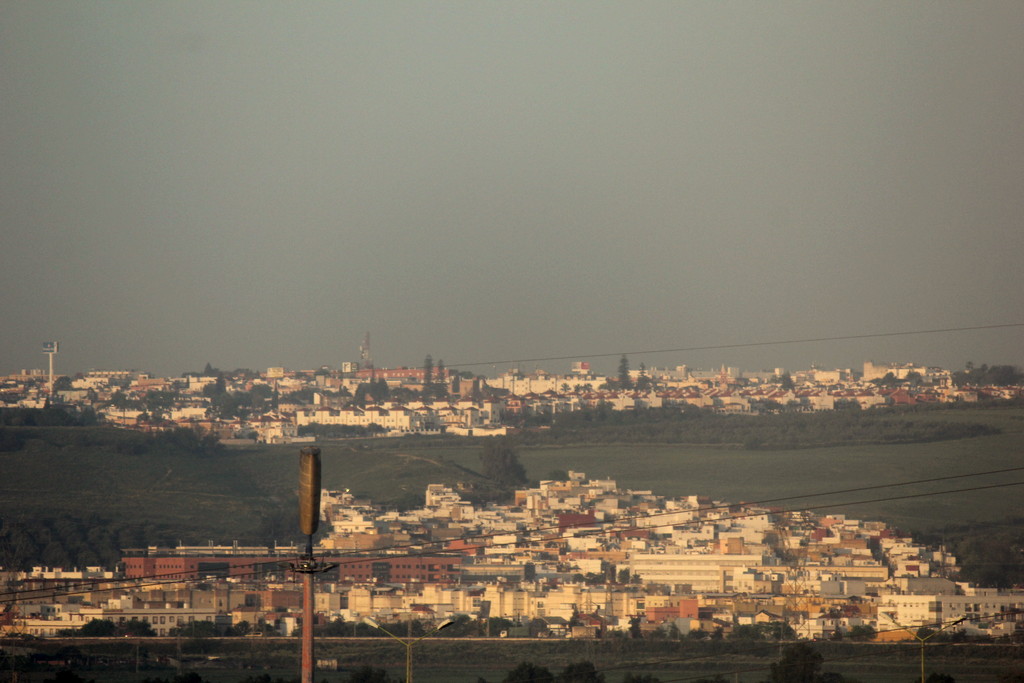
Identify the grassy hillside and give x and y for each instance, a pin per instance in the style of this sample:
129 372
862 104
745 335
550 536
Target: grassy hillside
745 475
248 494
232 494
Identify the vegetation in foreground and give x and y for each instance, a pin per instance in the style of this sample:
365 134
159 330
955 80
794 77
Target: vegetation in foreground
550 662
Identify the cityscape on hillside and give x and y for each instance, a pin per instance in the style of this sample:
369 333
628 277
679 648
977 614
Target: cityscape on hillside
278 405
568 558
695 354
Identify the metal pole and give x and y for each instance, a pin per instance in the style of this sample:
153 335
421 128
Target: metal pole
307 628
309 519
408 642
924 640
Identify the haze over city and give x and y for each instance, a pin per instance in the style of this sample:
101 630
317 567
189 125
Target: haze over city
258 184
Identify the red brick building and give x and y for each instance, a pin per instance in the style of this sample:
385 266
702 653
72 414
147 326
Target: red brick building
381 569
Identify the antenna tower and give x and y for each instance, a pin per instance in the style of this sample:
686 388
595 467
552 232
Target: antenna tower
50 349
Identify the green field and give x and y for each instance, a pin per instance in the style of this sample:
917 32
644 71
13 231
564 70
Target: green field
248 493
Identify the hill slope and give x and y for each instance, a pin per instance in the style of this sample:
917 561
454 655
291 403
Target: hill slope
102 487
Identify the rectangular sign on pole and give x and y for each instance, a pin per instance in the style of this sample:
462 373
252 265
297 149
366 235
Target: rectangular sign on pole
50 347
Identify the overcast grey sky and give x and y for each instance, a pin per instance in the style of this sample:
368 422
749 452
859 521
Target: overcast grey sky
255 184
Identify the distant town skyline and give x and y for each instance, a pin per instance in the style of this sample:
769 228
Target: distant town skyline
254 184
602 364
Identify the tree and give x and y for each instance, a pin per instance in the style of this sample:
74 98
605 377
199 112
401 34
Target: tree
800 663
888 381
500 461
242 628
643 382
862 632
66 676
379 390
528 672
193 677
334 628
625 382
120 401
139 629
98 628
440 387
495 625
786 382
776 630
261 394
580 672
745 632
428 371
195 629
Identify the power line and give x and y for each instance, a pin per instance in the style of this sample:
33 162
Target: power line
715 347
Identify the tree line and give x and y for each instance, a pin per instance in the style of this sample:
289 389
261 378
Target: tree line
691 425
989 375
796 663
50 416
176 441
67 540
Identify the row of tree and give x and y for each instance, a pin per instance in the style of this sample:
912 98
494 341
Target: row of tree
106 628
798 663
45 417
691 425
68 540
989 375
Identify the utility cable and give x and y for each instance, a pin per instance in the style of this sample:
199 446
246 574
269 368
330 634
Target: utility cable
715 347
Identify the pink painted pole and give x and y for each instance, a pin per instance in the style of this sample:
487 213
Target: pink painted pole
307 628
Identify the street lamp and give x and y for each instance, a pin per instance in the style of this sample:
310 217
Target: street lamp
408 642
921 640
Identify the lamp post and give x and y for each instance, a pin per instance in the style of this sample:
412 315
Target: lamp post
408 642
921 640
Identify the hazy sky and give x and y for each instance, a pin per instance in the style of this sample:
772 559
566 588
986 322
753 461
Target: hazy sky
260 183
